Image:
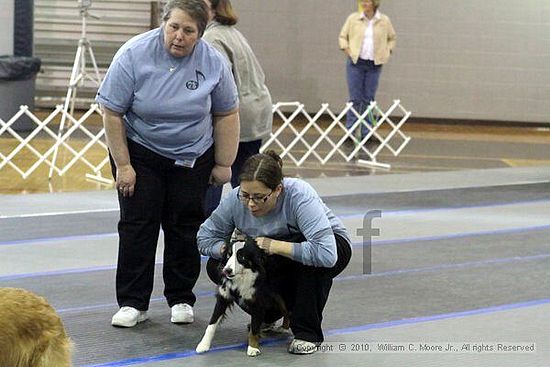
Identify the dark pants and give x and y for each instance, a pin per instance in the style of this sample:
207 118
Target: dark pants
305 290
172 197
214 193
362 79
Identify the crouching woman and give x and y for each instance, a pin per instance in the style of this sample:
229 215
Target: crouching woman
290 222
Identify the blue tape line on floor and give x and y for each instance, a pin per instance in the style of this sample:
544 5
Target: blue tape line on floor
343 331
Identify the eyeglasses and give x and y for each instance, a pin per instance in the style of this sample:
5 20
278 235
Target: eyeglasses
256 199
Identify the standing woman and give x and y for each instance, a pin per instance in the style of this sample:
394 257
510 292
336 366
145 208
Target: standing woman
171 120
288 219
367 38
255 112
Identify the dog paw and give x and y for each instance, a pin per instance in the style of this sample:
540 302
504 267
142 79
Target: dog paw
202 347
253 352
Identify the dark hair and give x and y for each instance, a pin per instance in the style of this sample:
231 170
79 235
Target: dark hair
264 167
224 12
196 9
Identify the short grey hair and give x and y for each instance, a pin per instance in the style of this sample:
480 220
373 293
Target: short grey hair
196 9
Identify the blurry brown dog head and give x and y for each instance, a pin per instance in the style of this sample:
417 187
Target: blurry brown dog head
31 332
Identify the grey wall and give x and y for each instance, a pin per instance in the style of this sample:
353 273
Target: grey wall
468 59
6 27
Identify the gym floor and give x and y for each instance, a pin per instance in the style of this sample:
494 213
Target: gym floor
462 259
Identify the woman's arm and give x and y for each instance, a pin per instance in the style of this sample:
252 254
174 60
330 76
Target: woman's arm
343 37
318 251
115 132
310 215
217 229
275 247
226 142
392 37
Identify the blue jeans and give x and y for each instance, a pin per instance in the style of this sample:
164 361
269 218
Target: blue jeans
362 85
214 193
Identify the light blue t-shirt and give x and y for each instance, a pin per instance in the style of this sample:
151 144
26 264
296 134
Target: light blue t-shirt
167 102
300 216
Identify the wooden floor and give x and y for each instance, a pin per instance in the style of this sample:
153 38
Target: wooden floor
433 147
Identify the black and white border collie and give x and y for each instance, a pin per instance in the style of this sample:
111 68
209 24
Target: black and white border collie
245 282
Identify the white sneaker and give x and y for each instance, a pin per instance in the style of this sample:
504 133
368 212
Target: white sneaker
298 346
128 317
182 313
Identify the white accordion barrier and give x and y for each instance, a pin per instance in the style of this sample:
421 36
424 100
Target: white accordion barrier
51 142
299 131
384 132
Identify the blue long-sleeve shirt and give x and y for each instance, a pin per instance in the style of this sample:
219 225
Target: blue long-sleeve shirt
300 217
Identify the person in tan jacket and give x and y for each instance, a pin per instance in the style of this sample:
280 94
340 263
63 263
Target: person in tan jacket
367 38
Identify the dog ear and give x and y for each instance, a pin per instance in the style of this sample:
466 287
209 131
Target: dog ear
259 253
250 241
227 251
256 250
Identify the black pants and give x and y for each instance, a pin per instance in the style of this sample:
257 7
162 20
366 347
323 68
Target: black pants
305 290
214 193
172 197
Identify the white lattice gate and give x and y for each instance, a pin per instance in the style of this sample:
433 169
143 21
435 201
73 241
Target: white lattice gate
336 134
54 142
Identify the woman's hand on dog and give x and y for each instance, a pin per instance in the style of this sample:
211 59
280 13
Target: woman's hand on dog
275 247
265 244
